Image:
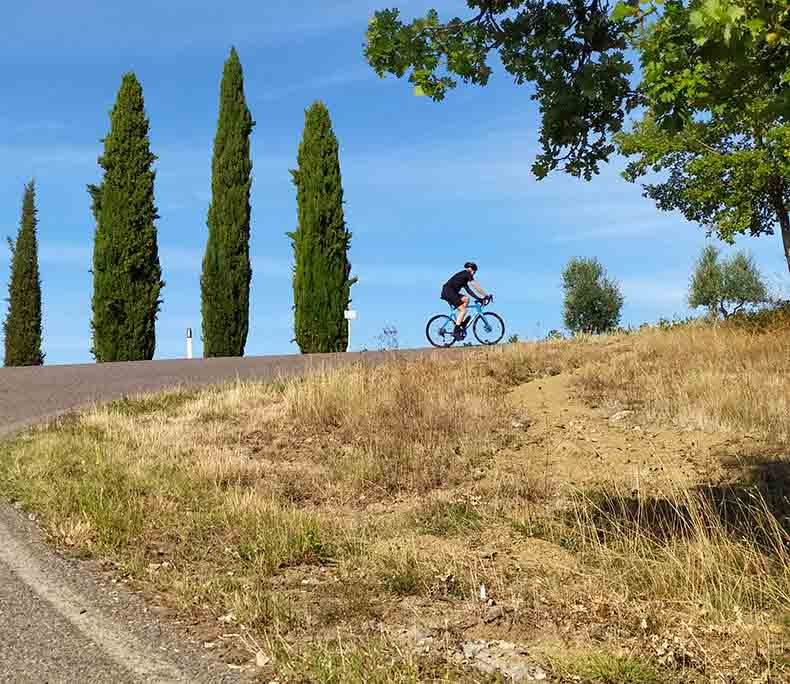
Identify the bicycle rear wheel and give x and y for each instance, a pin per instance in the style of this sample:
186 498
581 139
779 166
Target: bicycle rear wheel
439 331
489 328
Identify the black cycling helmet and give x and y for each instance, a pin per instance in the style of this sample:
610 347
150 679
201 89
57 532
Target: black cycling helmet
472 265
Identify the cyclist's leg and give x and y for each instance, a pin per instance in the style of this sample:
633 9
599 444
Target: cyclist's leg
455 300
459 319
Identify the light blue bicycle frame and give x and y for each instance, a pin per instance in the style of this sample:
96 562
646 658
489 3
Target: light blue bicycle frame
478 313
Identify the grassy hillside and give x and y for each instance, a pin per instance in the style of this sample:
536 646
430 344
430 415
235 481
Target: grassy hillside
598 510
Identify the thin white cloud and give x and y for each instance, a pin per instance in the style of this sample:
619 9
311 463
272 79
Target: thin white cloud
39 157
619 224
496 165
65 254
180 25
172 258
520 286
658 292
190 260
38 126
334 80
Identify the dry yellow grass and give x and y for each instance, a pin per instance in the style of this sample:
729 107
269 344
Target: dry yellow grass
718 378
351 501
408 427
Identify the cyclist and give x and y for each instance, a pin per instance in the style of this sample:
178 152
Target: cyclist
451 293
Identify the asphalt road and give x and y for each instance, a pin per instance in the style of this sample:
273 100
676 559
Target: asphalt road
29 395
59 623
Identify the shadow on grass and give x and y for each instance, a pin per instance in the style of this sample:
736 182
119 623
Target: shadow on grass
753 505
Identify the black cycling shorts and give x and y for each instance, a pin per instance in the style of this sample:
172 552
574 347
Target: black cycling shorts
452 297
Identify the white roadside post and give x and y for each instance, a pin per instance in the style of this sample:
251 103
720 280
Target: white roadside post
350 316
189 343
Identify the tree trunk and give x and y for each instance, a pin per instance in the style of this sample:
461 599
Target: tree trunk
780 207
784 222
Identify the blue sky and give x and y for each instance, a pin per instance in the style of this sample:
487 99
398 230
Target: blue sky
427 185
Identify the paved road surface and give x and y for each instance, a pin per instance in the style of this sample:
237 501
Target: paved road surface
63 624
28 395
59 623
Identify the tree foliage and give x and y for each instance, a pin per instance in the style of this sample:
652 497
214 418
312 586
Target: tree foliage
126 272
739 29
726 287
716 130
572 51
22 326
715 83
321 281
592 302
227 273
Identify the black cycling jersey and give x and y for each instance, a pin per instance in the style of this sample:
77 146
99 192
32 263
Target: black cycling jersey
460 280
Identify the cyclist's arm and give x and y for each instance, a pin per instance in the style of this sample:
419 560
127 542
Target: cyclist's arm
481 292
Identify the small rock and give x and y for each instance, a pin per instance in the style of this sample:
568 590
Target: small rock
493 614
501 656
230 617
32 517
209 644
261 659
620 415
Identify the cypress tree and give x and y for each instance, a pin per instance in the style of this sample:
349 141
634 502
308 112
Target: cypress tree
23 324
225 281
127 277
321 280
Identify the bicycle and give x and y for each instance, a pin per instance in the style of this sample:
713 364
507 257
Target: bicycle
488 327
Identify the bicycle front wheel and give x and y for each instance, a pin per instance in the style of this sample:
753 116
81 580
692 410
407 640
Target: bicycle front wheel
489 328
440 331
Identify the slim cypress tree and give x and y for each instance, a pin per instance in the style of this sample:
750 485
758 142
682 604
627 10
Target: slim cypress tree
225 281
23 323
321 281
127 277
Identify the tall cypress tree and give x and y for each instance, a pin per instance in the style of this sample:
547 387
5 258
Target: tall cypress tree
127 277
321 280
225 281
23 323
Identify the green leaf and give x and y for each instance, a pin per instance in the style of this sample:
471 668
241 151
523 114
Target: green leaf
622 10
736 12
697 19
418 91
756 25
